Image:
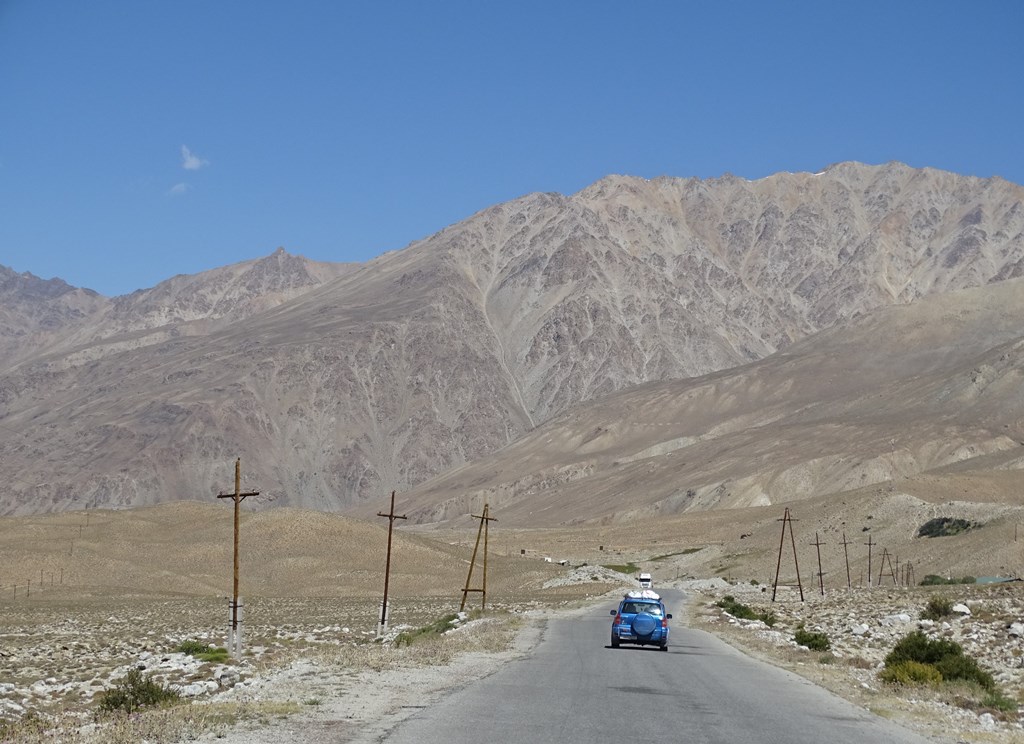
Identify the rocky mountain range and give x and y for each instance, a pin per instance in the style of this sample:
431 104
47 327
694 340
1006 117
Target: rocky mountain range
924 396
336 384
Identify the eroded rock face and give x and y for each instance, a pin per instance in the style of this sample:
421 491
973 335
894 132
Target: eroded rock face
343 383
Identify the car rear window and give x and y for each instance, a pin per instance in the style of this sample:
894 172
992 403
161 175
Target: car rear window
632 608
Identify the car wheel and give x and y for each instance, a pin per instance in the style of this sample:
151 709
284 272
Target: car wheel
615 642
664 647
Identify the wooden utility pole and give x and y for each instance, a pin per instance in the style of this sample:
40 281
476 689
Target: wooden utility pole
846 554
238 497
787 520
869 544
821 576
484 518
387 565
886 558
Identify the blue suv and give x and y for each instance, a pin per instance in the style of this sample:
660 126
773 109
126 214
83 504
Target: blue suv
641 620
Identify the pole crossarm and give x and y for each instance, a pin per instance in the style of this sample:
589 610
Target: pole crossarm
239 496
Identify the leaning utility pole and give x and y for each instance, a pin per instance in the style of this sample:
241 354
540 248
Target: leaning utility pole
821 576
886 558
237 497
387 565
846 554
484 518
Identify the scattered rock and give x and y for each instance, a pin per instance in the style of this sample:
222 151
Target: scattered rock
901 618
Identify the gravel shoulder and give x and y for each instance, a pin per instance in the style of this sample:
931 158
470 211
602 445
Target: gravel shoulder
339 705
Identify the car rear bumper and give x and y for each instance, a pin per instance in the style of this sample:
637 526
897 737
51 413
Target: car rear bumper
657 638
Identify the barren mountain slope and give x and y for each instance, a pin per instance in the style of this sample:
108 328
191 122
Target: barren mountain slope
429 357
52 318
33 311
904 390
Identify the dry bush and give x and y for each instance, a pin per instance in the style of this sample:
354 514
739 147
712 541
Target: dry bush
183 723
859 662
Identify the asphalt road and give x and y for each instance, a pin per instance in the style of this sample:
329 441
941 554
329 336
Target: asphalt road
575 688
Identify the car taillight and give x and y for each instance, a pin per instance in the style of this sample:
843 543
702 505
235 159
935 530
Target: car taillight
664 622
618 619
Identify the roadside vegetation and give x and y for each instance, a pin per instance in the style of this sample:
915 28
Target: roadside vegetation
136 691
743 612
626 568
934 580
937 608
917 660
427 632
203 651
945 527
813 640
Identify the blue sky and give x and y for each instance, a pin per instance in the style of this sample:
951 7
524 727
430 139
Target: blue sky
140 139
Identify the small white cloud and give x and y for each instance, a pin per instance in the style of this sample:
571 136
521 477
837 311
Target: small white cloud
191 161
178 189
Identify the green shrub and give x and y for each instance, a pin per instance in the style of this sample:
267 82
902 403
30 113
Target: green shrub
135 691
192 647
911 673
947 657
937 608
933 580
945 527
997 700
736 609
626 568
918 647
433 630
214 655
813 641
960 667
203 652
742 612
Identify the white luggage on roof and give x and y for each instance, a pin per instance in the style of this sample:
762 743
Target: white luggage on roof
643 595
